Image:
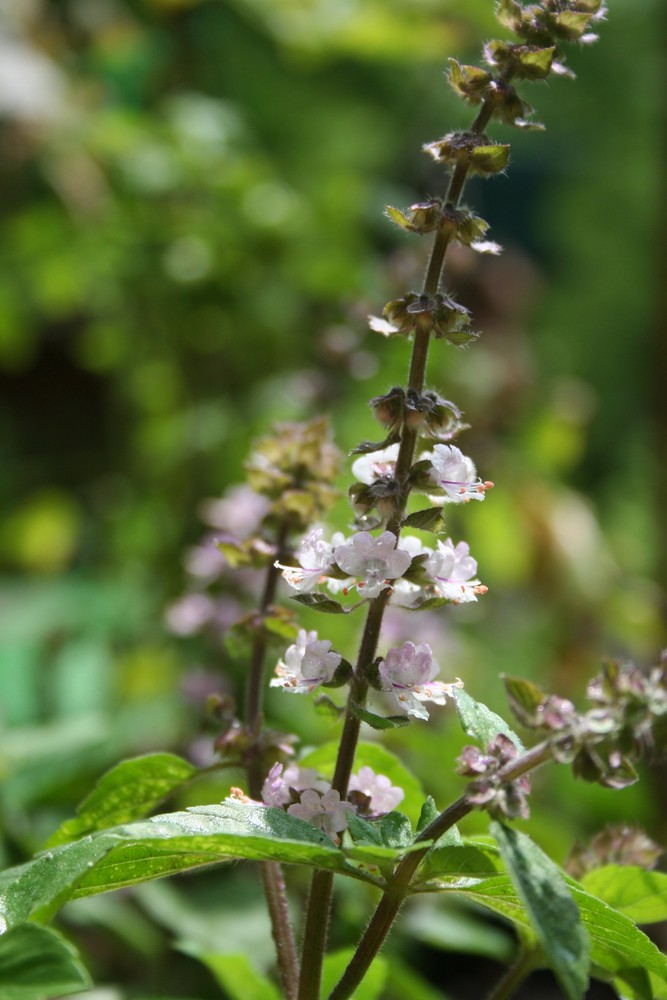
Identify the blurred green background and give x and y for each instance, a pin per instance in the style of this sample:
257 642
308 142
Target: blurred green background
191 198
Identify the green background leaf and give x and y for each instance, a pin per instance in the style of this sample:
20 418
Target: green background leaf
37 963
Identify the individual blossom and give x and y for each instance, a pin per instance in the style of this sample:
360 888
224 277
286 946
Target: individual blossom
376 464
240 512
315 557
307 664
452 571
324 810
373 794
407 673
373 562
283 787
455 474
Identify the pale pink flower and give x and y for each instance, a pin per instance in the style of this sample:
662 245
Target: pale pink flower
373 562
407 673
455 474
382 794
280 787
367 468
325 811
307 664
452 570
315 557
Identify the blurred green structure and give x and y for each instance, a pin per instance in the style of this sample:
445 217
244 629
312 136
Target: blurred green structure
191 198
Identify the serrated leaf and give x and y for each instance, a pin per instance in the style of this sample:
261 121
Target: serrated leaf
128 791
639 894
429 812
37 963
524 697
553 913
181 841
425 520
379 722
382 761
480 722
451 862
320 602
489 159
618 948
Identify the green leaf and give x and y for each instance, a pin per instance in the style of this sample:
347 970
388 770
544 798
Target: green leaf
372 985
631 890
619 950
37 963
320 602
282 627
457 927
427 520
382 761
553 912
237 976
525 699
479 721
162 845
429 812
379 722
126 792
452 861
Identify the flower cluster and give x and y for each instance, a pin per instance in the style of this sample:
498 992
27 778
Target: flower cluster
489 789
604 743
412 571
306 795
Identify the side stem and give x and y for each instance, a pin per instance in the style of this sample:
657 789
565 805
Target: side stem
272 873
399 885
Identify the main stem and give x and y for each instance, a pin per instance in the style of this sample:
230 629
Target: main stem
272 873
319 901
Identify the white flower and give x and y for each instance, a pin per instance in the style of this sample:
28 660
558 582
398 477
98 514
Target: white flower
315 557
376 560
367 468
382 794
453 570
325 811
278 789
456 475
308 663
407 674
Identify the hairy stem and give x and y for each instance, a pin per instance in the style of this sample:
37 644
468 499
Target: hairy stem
319 901
272 874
